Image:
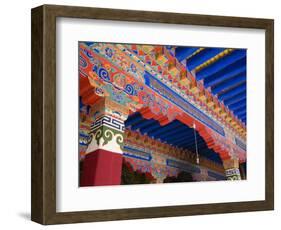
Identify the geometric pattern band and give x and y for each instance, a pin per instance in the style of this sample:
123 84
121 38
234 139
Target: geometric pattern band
232 172
110 122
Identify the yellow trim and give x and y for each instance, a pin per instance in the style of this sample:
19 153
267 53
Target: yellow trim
194 53
213 59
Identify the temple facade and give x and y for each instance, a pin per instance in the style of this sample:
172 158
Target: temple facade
161 111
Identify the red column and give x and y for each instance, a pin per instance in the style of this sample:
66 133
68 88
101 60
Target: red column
102 167
102 164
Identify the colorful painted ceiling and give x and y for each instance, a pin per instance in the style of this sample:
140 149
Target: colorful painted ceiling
168 92
175 133
223 72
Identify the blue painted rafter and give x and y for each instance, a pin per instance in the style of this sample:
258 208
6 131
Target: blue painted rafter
185 140
237 68
233 92
228 84
177 138
191 141
202 57
242 117
235 99
140 125
237 105
240 113
173 132
170 126
191 144
220 64
183 52
236 111
148 129
182 135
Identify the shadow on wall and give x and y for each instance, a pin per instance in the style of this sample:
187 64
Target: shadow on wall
182 177
129 176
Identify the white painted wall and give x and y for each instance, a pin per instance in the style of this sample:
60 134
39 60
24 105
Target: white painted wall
15 113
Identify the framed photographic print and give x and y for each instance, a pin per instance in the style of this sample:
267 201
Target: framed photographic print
139 114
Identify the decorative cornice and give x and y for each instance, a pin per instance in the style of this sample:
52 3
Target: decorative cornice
186 85
124 80
150 145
